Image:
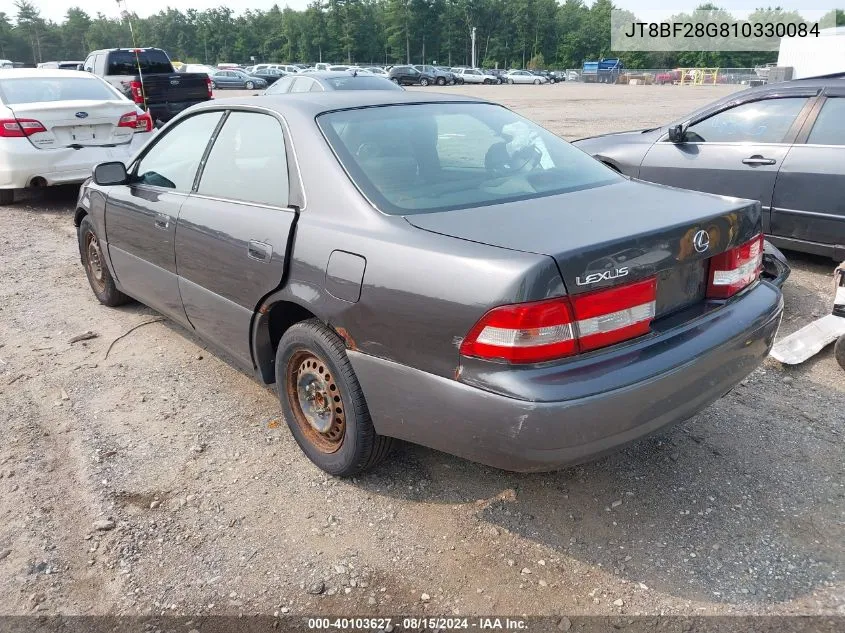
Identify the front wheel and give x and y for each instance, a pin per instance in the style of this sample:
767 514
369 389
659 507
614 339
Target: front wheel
394 80
96 269
250 85
323 402
536 82
441 81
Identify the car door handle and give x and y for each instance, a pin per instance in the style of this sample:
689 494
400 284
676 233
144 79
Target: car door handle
259 251
758 160
162 220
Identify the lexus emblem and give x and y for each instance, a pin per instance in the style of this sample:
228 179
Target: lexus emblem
81 115
701 241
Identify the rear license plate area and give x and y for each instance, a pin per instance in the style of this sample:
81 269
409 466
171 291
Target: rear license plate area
681 286
82 132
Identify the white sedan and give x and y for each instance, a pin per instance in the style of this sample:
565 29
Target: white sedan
55 125
475 76
523 77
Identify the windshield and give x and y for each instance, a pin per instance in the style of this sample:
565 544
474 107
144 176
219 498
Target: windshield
126 62
443 156
361 82
39 90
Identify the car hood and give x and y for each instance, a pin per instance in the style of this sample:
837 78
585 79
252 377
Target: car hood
641 226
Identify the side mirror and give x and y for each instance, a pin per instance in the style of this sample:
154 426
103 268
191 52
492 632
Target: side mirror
114 173
677 134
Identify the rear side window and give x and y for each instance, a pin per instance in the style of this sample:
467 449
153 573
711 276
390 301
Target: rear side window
755 122
247 161
444 156
47 89
829 128
127 62
280 87
173 160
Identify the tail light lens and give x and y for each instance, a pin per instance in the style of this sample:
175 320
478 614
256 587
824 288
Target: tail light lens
19 128
136 88
735 269
144 123
546 330
208 85
130 120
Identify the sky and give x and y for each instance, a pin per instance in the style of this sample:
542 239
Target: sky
52 10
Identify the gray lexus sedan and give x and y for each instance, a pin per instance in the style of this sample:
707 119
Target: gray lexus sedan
782 144
436 269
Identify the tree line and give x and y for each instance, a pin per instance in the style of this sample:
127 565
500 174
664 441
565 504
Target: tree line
509 33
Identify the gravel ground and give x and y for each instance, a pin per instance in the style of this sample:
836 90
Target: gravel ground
159 479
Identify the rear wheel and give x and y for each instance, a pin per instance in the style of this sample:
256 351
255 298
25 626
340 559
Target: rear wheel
7 196
96 270
250 85
323 402
213 86
394 80
510 81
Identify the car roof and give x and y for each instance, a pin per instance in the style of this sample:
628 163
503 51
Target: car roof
312 104
11 73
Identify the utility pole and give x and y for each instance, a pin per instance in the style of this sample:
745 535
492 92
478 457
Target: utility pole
473 47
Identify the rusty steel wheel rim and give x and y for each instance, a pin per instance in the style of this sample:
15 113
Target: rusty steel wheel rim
94 259
317 404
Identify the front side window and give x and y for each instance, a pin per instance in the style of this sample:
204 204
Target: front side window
765 121
829 128
443 156
247 161
173 160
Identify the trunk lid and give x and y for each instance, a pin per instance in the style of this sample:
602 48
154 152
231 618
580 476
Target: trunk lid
77 123
175 87
614 234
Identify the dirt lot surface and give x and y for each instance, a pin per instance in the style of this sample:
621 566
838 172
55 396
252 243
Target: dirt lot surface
159 479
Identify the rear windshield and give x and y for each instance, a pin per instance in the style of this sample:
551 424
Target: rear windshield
424 158
126 62
37 90
361 83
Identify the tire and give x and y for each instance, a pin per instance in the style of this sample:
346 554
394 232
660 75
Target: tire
394 80
839 351
452 82
99 277
536 82
310 355
213 86
441 81
486 82
510 82
423 81
250 85
7 196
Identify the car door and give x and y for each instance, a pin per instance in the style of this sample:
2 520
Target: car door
233 230
809 197
141 216
735 151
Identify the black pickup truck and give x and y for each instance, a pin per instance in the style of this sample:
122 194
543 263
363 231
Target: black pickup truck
147 77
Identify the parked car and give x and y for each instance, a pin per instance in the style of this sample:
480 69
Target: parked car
198 68
376 70
564 310
441 77
781 144
446 69
322 66
237 79
409 76
146 77
477 76
269 75
524 77
55 125
65 65
326 81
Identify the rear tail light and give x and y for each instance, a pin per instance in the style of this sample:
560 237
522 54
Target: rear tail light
18 128
130 120
136 88
545 330
144 123
735 269
208 86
